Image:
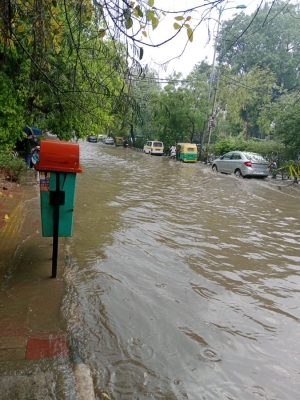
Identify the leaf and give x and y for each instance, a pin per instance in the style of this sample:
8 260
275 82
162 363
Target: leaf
128 23
6 217
176 26
155 22
102 33
21 28
188 18
139 11
144 33
141 53
190 34
127 14
179 18
187 25
149 15
151 3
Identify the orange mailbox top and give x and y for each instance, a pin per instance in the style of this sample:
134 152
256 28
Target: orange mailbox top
58 156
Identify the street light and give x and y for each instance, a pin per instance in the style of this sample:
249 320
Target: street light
221 9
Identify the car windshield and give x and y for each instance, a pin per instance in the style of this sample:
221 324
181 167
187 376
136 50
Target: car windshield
157 144
255 157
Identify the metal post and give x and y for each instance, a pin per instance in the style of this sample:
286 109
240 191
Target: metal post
214 56
221 9
55 228
213 111
212 78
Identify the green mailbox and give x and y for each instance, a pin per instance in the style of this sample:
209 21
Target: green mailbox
58 165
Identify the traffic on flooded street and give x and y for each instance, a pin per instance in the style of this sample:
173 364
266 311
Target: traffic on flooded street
183 283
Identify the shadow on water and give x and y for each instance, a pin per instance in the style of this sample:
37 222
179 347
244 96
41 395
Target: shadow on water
183 283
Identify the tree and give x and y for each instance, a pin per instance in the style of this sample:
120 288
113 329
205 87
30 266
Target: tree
66 63
268 39
243 96
283 116
181 109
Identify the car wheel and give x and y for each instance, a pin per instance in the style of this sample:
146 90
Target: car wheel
214 168
238 173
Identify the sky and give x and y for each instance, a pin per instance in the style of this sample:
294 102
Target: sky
202 46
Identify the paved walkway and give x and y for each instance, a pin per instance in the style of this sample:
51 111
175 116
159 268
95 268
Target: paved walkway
31 323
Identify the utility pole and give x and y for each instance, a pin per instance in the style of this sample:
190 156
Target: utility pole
213 112
212 78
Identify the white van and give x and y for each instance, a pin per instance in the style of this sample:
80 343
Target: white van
154 147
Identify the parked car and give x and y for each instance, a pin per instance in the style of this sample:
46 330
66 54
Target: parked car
109 140
154 147
242 164
92 139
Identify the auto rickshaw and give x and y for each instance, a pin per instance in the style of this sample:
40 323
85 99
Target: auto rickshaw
186 152
119 141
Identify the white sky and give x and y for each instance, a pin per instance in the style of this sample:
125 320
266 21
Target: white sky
200 48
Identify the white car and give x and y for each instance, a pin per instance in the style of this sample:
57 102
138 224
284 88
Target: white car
109 140
154 147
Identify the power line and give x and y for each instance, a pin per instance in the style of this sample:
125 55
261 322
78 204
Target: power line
228 77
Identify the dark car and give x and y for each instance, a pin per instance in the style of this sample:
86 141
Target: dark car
92 139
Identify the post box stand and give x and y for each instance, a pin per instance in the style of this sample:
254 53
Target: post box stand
58 165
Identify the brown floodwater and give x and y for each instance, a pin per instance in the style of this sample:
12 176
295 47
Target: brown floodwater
184 284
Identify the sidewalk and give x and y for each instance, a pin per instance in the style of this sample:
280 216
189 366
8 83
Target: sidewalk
32 328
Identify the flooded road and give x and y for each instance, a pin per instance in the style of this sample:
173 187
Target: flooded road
184 283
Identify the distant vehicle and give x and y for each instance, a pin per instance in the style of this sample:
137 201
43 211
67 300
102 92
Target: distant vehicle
92 139
154 147
100 138
242 164
109 140
187 152
119 141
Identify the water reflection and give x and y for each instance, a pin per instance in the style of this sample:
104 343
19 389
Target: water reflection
184 283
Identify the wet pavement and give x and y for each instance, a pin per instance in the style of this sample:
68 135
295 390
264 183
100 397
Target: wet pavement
26 337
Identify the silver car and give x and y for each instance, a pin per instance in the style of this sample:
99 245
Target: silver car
109 140
242 164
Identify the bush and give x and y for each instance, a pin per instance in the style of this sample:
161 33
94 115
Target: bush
267 148
11 167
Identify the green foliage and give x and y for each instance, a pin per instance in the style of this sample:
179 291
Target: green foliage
181 108
52 79
285 117
11 167
267 148
270 40
243 96
11 112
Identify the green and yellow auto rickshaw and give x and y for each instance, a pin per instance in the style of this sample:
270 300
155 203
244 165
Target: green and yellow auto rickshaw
186 152
119 141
